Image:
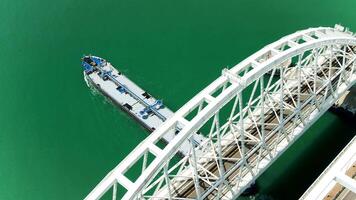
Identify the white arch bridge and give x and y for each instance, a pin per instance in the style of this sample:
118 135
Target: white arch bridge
250 115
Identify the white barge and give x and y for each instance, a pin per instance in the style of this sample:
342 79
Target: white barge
147 110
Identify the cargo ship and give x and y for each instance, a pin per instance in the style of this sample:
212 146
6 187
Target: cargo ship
138 103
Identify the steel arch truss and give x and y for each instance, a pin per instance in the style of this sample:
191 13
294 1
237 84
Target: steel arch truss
250 115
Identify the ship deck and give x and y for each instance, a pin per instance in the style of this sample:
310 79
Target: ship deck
134 100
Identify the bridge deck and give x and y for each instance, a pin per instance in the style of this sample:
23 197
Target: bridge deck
338 181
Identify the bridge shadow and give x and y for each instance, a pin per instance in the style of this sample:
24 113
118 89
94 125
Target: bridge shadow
297 168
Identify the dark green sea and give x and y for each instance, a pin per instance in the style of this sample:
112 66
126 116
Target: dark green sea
58 140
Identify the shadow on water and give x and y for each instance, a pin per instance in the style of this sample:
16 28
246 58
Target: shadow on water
297 168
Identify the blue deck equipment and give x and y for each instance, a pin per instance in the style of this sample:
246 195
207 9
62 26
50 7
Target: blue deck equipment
87 68
97 60
156 106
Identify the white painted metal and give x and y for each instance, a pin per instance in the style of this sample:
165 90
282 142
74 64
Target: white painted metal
333 174
267 114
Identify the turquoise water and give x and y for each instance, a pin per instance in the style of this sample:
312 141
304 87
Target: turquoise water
58 140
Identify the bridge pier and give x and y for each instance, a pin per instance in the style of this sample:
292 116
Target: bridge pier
251 190
346 104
